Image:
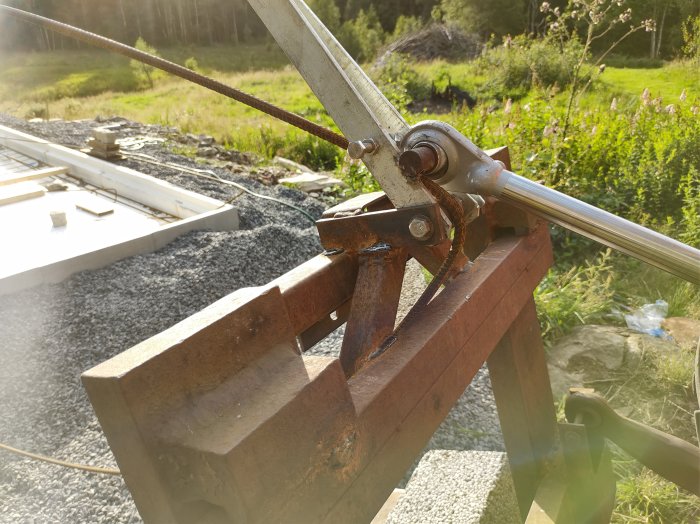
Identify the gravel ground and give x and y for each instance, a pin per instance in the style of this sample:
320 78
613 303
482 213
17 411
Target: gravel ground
51 333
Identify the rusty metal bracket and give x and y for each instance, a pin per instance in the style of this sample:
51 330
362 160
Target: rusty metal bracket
374 306
391 226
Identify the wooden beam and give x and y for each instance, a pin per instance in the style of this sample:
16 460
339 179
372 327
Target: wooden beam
20 191
278 437
12 178
520 383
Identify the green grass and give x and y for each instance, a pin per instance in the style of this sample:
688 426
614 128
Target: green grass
87 83
666 82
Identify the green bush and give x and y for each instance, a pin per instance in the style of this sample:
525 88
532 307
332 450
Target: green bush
581 295
521 64
640 161
400 83
192 64
363 36
691 39
143 72
406 25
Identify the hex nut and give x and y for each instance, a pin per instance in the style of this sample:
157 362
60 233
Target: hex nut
420 227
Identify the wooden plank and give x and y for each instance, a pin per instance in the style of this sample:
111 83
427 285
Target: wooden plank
520 383
95 206
19 192
13 178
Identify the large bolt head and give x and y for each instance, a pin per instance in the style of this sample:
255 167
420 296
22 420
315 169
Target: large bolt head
360 148
420 227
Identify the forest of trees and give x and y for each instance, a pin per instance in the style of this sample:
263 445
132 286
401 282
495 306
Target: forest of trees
362 25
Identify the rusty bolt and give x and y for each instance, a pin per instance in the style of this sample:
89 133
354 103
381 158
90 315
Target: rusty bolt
420 227
360 148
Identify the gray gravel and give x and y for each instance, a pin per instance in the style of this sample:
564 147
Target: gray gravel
465 487
50 334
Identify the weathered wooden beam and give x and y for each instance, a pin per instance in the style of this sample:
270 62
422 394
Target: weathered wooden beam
220 418
520 383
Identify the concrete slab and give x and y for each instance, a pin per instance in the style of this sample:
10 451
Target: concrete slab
107 212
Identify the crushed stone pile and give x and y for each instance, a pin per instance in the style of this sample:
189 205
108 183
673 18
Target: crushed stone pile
50 334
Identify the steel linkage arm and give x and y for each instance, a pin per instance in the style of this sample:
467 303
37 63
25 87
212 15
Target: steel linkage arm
669 456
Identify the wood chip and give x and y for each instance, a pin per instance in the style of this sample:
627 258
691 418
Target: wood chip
95 206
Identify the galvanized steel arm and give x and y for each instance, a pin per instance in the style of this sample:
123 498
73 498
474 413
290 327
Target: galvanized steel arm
353 101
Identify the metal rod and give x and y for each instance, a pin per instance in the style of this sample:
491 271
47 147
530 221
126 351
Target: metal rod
642 243
178 70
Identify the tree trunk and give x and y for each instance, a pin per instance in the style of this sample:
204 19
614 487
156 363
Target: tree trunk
657 51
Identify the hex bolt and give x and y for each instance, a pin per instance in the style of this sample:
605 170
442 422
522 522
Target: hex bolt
420 227
360 148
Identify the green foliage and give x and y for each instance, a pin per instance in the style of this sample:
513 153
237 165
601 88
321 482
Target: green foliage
690 184
363 36
406 25
691 39
328 12
144 72
310 151
401 83
192 64
642 496
495 17
581 295
359 179
522 64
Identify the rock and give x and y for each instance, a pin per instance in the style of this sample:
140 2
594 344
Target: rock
291 165
591 353
639 344
206 152
309 182
561 380
589 346
435 41
685 331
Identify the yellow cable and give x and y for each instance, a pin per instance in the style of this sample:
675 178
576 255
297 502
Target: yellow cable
91 469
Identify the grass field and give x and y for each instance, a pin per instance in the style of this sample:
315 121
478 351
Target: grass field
87 83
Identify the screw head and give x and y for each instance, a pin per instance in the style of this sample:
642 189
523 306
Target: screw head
420 227
360 148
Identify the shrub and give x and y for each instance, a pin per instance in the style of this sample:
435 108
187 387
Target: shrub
144 72
192 64
522 63
400 83
406 25
580 295
691 39
363 36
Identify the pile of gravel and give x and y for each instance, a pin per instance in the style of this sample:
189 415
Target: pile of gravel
50 334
